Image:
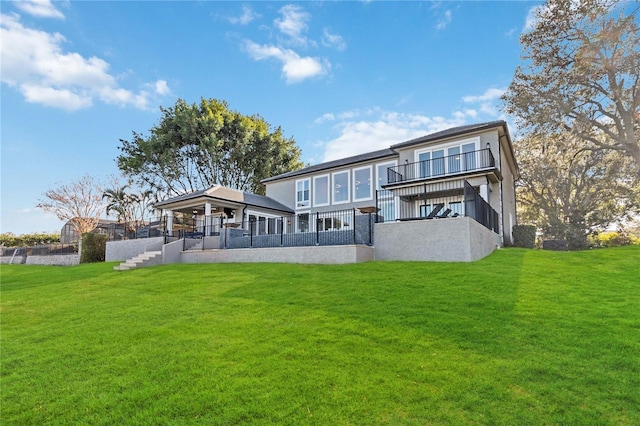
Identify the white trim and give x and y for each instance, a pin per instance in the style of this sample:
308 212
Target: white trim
370 195
303 204
446 146
333 185
315 191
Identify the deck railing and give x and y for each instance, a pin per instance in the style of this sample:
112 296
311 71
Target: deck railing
441 167
436 200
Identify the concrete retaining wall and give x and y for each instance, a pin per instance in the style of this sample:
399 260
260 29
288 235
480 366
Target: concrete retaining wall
313 254
459 239
55 259
126 249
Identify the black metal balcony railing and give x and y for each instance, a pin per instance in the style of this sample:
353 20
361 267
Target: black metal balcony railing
436 200
442 166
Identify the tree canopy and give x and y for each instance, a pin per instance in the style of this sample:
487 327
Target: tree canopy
568 191
195 146
581 73
79 202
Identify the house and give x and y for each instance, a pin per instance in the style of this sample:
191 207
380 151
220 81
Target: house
446 196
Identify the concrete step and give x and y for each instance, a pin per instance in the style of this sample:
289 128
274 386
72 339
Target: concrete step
139 261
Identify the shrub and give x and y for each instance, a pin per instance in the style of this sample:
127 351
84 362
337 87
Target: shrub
93 248
524 236
615 239
10 240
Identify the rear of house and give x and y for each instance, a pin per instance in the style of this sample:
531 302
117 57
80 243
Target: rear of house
447 196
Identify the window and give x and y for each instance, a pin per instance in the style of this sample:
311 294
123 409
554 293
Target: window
469 156
302 193
302 222
383 174
424 165
456 207
454 159
425 209
362 184
335 221
321 190
451 158
341 187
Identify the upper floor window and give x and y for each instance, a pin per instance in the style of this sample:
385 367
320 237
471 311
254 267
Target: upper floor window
303 193
362 184
383 174
340 187
450 158
321 190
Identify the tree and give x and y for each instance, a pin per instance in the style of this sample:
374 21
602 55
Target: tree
568 191
129 207
581 74
196 146
79 203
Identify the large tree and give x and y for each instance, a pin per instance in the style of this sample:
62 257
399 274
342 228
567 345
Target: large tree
79 203
581 73
195 146
569 191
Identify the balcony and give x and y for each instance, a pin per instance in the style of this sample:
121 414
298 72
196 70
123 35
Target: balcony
452 165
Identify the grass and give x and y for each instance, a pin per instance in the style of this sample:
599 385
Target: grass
521 337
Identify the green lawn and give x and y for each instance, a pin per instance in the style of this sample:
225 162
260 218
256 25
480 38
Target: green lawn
522 337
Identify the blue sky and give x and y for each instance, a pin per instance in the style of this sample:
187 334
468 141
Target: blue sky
341 78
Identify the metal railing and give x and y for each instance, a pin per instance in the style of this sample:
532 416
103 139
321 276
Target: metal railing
436 200
135 230
441 167
40 250
343 227
478 209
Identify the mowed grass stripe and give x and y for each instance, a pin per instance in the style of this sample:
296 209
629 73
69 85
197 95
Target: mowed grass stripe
521 337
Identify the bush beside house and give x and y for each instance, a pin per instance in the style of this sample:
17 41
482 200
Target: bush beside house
93 248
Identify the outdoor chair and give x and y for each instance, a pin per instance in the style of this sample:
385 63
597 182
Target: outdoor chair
444 214
435 211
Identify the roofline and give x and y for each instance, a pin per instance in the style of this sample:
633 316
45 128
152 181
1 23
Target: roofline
205 196
471 128
375 155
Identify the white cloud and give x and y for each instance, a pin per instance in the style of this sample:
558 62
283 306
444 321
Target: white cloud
374 129
162 88
487 102
333 40
59 98
532 18
35 63
293 22
247 16
367 130
444 21
294 67
39 8
489 95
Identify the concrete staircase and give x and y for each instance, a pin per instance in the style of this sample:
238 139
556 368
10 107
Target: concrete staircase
145 259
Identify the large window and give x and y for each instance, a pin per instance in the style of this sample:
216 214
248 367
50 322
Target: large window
362 184
460 156
383 174
321 190
302 193
340 187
